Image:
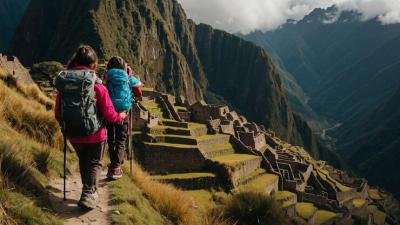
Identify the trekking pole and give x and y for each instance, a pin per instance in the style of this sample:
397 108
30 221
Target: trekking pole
130 142
65 167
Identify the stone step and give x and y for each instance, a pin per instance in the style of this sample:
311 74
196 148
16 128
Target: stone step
196 131
260 181
193 132
153 107
173 123
307 212
209 140
217 150
239 165
204 141
172 139
189 181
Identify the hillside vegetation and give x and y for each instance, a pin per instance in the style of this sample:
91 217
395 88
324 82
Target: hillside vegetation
29 155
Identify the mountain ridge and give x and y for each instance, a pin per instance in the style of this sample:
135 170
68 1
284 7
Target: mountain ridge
166 49
348 67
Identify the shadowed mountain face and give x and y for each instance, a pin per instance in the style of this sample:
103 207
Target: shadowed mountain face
170 52
349 69
11 12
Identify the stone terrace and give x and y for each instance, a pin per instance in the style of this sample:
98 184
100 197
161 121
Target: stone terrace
188 155
200 146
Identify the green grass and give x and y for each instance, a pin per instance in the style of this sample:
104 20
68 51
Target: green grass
211 136
283 195
151 104
323 216
134 208
183 176
234 159
260 183
195 125
181 108
357 203
203 198
26 211
177 146
222 146
305 210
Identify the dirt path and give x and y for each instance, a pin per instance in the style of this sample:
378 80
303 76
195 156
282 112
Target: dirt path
69 211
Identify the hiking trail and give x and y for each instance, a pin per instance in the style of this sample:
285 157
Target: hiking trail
69 211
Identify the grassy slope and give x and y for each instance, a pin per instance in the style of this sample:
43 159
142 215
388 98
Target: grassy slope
28 154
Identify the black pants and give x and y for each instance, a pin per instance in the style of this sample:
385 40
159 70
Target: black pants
90 164
117 136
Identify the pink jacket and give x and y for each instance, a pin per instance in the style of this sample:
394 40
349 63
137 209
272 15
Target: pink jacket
104 105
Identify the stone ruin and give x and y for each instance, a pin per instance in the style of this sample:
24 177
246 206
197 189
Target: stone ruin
13 66
181 138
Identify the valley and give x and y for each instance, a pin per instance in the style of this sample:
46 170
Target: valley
349 69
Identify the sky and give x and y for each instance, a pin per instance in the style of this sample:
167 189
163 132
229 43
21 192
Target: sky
248 15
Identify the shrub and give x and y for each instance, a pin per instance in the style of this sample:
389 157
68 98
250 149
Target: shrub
48 69
253 208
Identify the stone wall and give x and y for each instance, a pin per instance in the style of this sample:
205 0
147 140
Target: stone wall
158 159
213 126
227 127
242 170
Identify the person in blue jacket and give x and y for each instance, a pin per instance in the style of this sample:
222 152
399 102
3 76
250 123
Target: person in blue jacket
123 87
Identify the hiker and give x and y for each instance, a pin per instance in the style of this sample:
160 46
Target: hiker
82 104
123 87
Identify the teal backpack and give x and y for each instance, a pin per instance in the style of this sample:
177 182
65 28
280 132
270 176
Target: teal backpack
77 109
119 89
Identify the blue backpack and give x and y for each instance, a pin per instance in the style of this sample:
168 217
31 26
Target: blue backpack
119 89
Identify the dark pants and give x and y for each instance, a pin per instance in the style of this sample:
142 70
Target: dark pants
117 136
90 164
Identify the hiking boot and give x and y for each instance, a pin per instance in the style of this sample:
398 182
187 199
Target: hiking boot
114 173
89 200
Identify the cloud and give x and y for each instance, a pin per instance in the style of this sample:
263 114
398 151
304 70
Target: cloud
246 16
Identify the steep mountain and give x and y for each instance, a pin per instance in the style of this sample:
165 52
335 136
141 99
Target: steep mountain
172 54
11 12
349 69
375 151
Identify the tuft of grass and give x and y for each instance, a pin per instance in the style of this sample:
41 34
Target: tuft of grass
171 202
27 114
5 218
253 208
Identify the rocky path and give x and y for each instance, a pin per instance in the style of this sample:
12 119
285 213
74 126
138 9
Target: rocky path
69 211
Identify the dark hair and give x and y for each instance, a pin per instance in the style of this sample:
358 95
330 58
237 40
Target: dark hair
116 62
84 56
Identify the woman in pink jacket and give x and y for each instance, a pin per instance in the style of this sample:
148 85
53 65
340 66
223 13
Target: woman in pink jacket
89 148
